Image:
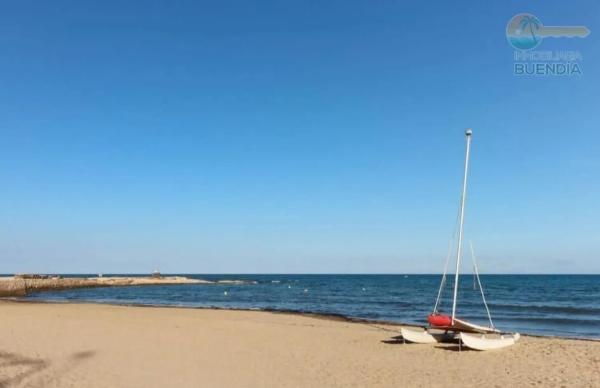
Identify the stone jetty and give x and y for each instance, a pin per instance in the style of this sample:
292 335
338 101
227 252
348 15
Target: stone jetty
21 285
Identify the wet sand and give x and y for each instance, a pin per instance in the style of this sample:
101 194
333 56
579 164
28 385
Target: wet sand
92 345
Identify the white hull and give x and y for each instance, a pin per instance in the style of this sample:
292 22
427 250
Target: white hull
481 342
420 335
417 336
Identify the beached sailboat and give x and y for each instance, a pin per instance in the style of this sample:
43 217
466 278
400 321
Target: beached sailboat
443 327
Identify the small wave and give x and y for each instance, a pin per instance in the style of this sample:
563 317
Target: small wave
546 308
552 321
236 282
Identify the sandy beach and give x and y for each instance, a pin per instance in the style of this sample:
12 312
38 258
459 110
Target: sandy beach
91 345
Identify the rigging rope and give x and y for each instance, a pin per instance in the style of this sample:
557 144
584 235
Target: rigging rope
479 282
443 282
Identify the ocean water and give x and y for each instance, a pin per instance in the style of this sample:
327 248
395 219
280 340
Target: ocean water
562 305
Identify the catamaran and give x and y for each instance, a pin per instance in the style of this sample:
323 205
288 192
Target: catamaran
443 327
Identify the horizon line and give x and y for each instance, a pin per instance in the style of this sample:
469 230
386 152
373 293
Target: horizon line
296 273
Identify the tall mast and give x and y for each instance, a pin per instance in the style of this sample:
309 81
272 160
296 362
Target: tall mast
468 133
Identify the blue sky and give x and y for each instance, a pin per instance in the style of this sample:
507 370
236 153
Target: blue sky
296 136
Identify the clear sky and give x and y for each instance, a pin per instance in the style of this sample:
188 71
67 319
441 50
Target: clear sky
291 136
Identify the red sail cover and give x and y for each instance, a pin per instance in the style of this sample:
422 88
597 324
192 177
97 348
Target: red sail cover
439 320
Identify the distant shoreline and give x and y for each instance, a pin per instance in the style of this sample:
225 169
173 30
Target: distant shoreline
22 285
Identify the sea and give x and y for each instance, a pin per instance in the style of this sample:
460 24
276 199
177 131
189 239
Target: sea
549 305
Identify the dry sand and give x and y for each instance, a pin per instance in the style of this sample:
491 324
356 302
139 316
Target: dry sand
87 345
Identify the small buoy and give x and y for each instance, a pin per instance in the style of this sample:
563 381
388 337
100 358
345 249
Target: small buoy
224 292
306 290
289 286
364 289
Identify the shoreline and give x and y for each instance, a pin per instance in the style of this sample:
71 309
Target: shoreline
310 314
